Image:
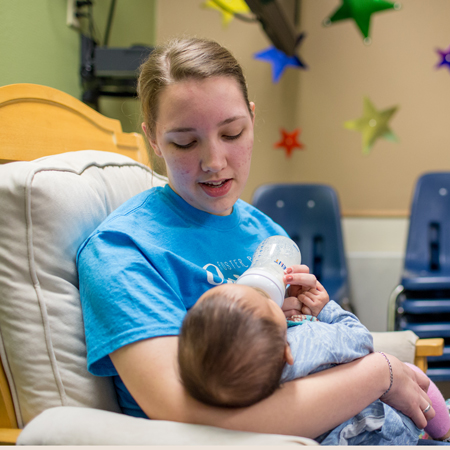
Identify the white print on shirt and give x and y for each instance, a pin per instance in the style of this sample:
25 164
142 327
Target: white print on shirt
215 276
231 264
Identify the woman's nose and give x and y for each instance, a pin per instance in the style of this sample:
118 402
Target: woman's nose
213 158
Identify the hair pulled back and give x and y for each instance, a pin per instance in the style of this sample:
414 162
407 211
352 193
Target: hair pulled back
179 60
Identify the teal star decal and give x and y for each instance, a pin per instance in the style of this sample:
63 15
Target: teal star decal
360 11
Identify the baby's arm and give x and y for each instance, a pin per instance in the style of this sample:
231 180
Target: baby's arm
337 338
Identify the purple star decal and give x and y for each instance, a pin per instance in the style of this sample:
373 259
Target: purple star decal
445 58
280 60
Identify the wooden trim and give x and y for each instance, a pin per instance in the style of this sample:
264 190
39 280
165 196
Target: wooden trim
7 414
430 347
427 347
376 213
41 121
9 436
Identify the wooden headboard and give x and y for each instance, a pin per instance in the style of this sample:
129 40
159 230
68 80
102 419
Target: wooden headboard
39 121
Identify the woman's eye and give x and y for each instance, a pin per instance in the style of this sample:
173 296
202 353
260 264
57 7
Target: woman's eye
231 138
189 145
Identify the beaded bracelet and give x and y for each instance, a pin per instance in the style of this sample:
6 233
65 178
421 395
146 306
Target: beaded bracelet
391 373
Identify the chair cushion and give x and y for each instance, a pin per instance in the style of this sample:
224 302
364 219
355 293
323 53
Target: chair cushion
61 426
401 344
48 208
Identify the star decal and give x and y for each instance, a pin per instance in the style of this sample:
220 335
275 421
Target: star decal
373 125
360 11
228 8
445 58
280 60
289 141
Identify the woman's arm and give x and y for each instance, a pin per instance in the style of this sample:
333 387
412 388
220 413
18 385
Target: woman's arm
305 407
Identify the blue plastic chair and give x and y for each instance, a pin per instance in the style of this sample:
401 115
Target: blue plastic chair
427 261
310 214
421 302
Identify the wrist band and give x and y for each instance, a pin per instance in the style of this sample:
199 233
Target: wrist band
391 374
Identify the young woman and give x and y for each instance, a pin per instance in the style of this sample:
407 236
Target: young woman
148 263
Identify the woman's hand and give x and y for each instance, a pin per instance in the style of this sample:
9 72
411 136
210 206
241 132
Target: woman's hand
408 392
300 281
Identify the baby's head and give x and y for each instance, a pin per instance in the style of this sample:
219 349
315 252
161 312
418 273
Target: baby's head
233 347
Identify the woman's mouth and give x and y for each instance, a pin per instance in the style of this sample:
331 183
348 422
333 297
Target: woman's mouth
216 188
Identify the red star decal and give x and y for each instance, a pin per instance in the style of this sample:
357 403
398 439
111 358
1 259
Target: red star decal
289 141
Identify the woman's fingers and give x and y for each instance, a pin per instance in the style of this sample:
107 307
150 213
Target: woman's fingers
299 276
422 380
298 268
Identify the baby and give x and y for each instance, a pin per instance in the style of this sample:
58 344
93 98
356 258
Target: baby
235 349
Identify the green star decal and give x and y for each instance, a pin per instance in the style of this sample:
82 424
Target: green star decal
373 125
360 11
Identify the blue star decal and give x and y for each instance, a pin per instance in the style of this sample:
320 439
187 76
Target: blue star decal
280 60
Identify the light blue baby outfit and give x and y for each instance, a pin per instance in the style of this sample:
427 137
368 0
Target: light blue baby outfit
339 337
149 262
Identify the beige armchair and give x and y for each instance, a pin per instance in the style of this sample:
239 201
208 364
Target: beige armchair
71 168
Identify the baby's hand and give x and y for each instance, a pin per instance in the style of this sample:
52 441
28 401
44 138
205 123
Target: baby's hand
292 306
313 300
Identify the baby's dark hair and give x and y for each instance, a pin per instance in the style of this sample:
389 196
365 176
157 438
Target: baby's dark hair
229 354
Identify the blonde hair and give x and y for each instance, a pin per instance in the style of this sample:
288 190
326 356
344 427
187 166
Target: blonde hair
182 59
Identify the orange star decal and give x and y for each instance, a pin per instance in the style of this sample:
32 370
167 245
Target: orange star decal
289 141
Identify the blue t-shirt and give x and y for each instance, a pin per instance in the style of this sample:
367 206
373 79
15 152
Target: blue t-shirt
149 262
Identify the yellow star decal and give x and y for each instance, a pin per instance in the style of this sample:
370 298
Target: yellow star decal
228 8
373 125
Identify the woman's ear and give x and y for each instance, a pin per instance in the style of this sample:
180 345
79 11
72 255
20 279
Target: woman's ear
252 107
151 141
288 355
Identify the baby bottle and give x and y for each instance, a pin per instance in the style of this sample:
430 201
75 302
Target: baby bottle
272 257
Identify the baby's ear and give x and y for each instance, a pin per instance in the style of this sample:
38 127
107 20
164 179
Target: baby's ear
288 355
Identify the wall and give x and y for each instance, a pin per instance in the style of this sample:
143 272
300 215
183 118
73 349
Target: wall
36 46
398 68
341 71
375 250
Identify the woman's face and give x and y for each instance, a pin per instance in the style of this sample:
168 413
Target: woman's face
204 132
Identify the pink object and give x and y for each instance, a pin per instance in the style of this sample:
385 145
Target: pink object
440 424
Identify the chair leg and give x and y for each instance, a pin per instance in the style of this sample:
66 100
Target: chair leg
8 436
392 307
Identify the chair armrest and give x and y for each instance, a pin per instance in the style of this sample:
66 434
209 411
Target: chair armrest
427 347
8 436
70 425
401 344
9 432
407 346
7 414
